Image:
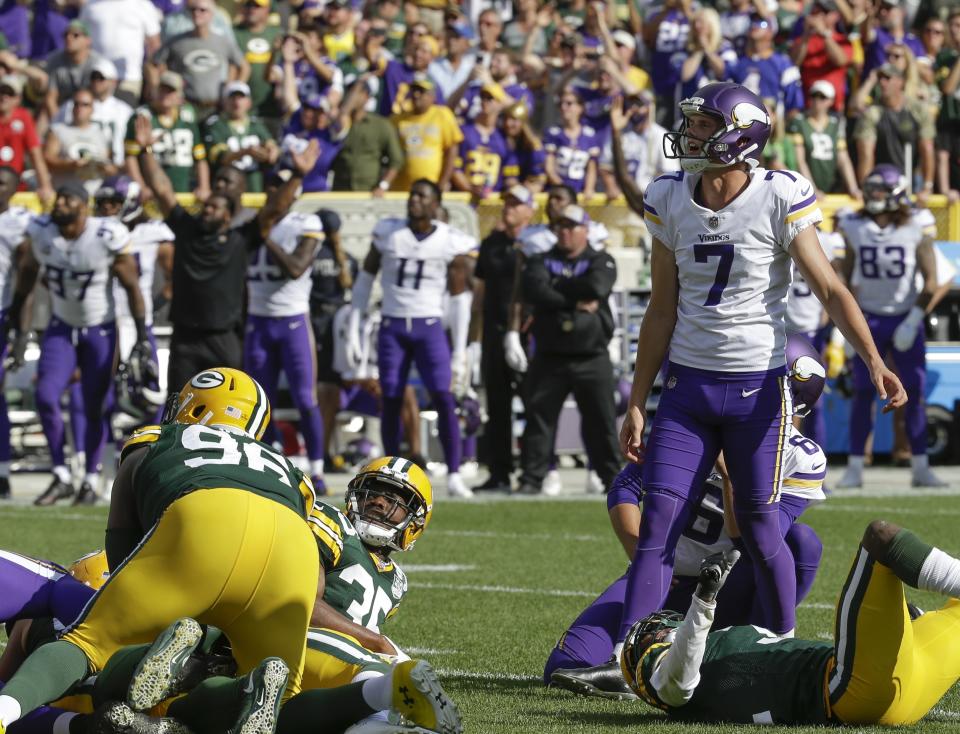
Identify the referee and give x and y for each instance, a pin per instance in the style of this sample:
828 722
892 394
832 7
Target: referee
210 264
568 290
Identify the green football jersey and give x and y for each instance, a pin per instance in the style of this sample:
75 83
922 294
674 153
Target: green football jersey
360 584
748 675
821 148
176 145
258 51
221 136
184 458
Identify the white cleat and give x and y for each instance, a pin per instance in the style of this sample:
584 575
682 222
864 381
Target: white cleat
594 483
851 479
456 487
551 485
926 478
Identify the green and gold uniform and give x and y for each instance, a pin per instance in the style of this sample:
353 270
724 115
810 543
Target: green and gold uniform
258 50
821 148
176 145
228 544
222 136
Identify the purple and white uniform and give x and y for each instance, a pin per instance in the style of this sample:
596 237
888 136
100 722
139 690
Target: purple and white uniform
726 386
279 334
13 226
886 286
82 330
590 639
414 281
572 154
482 156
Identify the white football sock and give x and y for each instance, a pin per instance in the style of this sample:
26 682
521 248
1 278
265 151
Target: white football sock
855 463
919 463
378 692
4 469
316 467
62 473
940 572
92 479
9 710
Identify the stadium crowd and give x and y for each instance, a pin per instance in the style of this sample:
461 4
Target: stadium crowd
498 99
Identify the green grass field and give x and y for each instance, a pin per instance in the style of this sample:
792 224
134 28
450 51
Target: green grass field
493 584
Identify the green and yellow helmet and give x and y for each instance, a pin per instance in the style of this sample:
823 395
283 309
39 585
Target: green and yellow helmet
223 397
405 486
91 569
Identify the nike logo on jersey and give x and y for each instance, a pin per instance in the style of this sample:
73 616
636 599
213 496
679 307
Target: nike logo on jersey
295 325
748 393
818 466
805 191
431 322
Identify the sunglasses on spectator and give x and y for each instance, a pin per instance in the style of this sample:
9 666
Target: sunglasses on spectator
376 30
934 31
569 102
7 92
895 55
74 34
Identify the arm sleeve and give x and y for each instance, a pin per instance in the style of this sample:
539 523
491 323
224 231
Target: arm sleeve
677 672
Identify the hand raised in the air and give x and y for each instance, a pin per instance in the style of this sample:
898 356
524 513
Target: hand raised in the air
143 131
305 160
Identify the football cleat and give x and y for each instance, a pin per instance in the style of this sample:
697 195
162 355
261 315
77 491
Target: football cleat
493 484
594 483
57 490
914 611
262 694
600 681
456 487
420 700
4 488
162 672
86 495
551 484
851 479
926 478
118 718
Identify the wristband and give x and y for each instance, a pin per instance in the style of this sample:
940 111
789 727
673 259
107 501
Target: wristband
383 185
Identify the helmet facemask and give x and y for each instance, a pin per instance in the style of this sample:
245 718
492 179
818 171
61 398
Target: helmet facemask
372 502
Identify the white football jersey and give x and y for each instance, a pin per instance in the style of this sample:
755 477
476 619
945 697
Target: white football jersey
13 227
804 468
269 291
804 311
414 271
733 266
369 329
539 238
77 272
145 240
885 272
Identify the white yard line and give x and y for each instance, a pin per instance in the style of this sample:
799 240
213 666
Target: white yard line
481 675
437 567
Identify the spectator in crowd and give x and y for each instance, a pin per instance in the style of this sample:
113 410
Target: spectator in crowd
546 77
339 41
69 69
35 78
503 71
176 141
710 57
314 122
50 21
820 144
391 13
887 130
234 138
305 70
371 155
396 82
735 21
429 135
489 26
880 28
204 59
823 51
370 54
256 38
483 150
640 141
15 22
526 158
900 57
934 38
126 32
526 34
210 265
493 297
665 33
453 70
568 289
778 153
767 72
18 136
597 92
572 148
79 151
948 121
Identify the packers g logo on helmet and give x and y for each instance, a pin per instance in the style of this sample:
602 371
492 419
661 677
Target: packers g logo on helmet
91 569
222 397
406 487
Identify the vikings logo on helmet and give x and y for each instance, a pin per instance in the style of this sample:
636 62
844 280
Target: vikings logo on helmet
807 374
224 397
125 191
404 486
885 190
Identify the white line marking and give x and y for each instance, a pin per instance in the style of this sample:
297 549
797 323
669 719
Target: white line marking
430 651
944 714
605 537
437 567
478 675
505 589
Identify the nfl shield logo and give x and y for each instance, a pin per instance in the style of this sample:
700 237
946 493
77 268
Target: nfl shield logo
713 222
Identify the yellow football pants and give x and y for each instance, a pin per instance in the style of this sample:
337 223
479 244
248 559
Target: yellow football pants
888 669
225 557
334 659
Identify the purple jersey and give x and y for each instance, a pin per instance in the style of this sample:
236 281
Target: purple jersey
775 76
15 22
469 106
309 82
295 137
596 109
525 164
876 51
704 74
395 86
670 44
572 154
482 156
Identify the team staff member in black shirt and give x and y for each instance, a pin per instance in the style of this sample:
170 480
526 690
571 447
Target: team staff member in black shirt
568 290
493 280
210 264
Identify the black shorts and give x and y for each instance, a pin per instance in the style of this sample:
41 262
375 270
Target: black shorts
323 335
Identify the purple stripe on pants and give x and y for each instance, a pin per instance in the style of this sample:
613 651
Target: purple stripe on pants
911 368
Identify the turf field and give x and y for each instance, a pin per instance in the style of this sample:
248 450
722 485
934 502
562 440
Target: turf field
494 583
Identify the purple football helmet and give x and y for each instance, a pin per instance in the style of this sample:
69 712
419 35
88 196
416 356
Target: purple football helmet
470 416
806 372
124 190
742 134
885 190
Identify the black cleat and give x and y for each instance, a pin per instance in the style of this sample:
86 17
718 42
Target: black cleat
86 495
118 718
493 484
601 681
4 488
527 488
56 491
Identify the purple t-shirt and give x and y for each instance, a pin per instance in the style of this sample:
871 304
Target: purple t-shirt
482 157
318 177
875 54
469 106
308 81
572 155
395 87
525 164
596 110
49 26
15 24
671 41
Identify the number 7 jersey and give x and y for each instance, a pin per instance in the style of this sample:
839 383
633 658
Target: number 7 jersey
733 266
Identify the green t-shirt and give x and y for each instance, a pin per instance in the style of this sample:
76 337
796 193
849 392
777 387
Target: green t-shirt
176 145
221 135
821 147
369 143
257 49
950 106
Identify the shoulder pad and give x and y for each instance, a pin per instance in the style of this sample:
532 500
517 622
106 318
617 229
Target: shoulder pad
141 437
329 525
388 226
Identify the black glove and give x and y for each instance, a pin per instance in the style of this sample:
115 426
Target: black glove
142 364
17 358
714 570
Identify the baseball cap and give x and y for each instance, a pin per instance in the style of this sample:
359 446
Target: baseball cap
462 29
495 91
172 80
75 189
520 193
13 81
105 68
422 81
625 38
78 26
330 220
261 3
889 69
822 86
236 87
575 214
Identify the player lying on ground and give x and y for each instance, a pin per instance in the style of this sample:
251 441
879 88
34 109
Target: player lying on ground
881 668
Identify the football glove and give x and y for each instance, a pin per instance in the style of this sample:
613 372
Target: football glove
143 367
17 357
513 352
714 570
460 373
906 333
353 345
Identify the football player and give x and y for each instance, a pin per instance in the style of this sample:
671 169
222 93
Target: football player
881 668
422 259
888 243
238 554
724 234
78 256
13 225
589 642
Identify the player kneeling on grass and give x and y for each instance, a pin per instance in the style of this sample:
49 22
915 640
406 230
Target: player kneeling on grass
882 667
